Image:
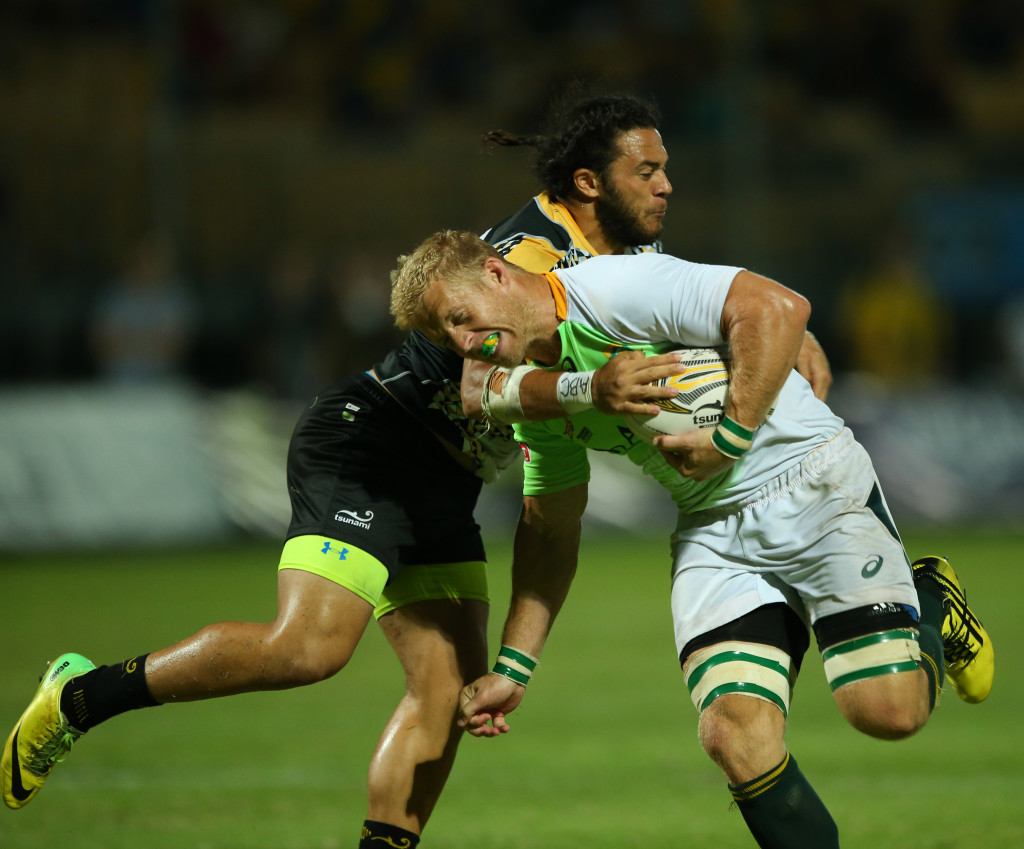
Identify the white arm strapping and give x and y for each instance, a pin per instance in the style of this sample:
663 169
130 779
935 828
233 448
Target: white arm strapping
574 391
505 405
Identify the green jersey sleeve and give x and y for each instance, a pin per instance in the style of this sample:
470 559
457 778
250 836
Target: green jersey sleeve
551 462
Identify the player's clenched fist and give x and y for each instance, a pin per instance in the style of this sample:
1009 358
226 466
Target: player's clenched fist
484 703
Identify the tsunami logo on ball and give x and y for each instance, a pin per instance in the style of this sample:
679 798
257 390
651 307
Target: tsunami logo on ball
702 387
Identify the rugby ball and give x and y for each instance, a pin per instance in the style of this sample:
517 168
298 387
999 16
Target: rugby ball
702 387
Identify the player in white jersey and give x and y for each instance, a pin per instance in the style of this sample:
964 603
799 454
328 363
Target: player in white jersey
782 526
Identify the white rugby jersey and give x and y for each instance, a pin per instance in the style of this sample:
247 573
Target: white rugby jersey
656 303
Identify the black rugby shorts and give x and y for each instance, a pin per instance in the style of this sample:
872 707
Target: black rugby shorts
362 470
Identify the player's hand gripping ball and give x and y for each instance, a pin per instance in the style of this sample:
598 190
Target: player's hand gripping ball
702 386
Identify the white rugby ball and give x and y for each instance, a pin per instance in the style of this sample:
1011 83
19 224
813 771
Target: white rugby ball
702 387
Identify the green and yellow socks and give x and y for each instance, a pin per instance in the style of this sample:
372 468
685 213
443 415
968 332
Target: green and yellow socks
782 810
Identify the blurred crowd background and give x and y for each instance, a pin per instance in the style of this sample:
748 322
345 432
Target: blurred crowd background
209 194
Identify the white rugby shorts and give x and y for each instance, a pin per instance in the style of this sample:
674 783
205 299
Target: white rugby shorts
808 539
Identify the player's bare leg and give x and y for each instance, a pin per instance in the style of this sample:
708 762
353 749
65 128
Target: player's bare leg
442 645
318 625
317 628
889 707
745 736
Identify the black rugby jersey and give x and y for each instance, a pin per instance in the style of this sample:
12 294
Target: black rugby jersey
426 380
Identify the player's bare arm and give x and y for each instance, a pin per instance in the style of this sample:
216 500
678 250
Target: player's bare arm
765 325
544 562
623 385
812 363
474 375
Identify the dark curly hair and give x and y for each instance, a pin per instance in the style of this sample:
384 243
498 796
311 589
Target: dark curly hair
583 135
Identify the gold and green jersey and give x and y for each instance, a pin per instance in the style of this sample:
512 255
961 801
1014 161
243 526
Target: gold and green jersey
543 236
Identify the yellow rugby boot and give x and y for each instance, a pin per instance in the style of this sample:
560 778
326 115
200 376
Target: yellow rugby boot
42 736
970 659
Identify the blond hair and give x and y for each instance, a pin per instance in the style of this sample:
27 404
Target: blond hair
455 256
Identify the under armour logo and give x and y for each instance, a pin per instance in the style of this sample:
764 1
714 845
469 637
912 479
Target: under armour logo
328 550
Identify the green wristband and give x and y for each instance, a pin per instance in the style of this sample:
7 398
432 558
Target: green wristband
725 447
731 438
518 657
512 674
734 428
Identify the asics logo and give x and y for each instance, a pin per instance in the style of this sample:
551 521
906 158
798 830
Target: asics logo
18 790
872 567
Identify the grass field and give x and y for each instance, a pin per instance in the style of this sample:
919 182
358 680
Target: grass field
603 752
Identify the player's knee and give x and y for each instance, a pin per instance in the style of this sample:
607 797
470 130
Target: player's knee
312 668
723 732
733 684
889 707
742 691
296 660
434 683
744 735
875 678
895 723
441 645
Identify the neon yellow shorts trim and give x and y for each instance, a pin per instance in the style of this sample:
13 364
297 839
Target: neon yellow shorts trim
362 573
345 564
467 579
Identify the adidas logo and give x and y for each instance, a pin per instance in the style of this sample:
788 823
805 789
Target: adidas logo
885 607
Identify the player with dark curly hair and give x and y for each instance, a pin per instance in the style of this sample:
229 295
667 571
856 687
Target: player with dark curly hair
603 169
594 138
